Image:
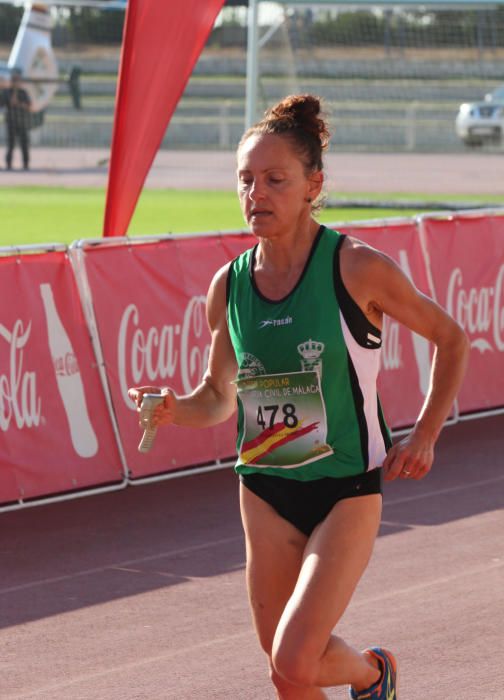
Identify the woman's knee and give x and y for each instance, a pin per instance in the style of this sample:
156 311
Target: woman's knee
295 662
285 689
281 685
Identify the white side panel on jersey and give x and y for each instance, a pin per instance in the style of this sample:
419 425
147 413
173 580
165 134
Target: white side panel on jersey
366 362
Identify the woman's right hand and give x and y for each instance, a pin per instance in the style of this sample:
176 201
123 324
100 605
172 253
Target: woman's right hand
162 414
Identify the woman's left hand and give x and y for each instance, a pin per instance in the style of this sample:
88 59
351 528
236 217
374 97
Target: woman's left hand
410 458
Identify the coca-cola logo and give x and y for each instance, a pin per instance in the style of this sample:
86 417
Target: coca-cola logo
391 355
66 365
479 310
156 354
19 400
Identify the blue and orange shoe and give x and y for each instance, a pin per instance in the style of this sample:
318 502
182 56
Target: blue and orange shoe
385 686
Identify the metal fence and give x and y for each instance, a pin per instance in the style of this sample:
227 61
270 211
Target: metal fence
382 97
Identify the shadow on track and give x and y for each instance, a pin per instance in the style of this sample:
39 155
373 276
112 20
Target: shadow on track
67 556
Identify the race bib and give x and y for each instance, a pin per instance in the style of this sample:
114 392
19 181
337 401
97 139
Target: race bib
285 422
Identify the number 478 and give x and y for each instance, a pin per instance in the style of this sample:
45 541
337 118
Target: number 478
268 413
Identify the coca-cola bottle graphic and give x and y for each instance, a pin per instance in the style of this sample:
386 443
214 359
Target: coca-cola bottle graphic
69 379
420 344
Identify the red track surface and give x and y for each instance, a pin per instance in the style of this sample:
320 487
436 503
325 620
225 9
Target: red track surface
140 594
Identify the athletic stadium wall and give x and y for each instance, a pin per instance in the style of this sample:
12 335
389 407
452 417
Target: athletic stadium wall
88 321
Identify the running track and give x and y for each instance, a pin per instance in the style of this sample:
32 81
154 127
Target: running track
140 594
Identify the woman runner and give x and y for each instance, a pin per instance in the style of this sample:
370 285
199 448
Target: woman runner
295 335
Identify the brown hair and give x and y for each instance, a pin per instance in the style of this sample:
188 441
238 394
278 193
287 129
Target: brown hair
298 118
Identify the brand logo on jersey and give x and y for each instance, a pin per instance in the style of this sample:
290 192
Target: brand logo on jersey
373 340
274 322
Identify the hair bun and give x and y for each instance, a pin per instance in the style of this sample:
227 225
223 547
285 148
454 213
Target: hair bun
299 119
301 111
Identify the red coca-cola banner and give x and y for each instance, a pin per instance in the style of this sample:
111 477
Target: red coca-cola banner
149 302
406 357
467 262
55 430
56 433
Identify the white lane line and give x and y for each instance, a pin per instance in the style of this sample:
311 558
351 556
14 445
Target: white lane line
122 564
441 581
403 526
138 663
442 492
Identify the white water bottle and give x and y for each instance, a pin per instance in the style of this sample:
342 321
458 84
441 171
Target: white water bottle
69 379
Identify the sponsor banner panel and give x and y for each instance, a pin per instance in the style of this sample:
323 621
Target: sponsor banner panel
149 301
406 356
55 430
236 243
467 262
199 260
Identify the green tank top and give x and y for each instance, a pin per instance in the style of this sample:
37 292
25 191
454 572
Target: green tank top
308 363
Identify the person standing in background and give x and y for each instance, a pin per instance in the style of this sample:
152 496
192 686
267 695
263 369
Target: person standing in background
17 105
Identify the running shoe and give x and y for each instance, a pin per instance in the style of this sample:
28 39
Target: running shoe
385 687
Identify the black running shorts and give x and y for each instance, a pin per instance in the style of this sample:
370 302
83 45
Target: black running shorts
305 504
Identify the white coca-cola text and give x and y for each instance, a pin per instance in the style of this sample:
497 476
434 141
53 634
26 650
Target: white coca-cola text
19 400
155 354
66 365
479 310
391 356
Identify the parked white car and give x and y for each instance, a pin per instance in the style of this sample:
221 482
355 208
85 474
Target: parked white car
482 122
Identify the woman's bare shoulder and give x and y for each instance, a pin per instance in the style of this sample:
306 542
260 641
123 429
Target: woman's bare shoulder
217 295
359 258
360 251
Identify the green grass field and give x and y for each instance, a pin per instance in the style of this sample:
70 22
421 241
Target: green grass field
32 215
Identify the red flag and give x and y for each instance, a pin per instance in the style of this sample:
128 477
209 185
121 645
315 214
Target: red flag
162 42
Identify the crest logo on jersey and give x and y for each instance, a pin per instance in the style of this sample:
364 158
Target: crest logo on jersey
311 351
250 366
